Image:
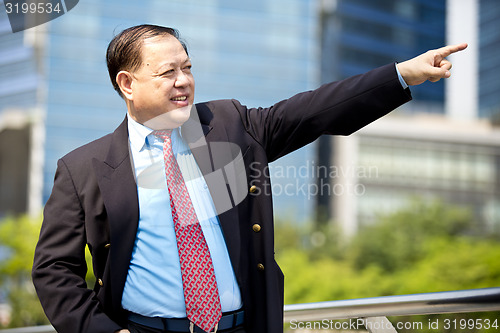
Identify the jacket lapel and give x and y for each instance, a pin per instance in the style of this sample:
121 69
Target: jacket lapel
119 193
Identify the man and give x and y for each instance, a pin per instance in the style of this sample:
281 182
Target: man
139 219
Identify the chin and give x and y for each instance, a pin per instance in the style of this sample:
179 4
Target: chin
181 114
170 120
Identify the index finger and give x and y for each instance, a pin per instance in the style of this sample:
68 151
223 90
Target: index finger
447 50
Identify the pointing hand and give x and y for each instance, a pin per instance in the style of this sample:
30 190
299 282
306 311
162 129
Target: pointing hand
431 65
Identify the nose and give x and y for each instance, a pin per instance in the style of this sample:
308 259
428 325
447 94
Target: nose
182 79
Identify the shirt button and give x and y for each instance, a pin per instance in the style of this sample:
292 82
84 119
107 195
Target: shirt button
256 227
100 282
107 246
260 267
253 189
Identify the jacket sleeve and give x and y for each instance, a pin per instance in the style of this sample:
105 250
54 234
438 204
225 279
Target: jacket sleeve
59 266
339 108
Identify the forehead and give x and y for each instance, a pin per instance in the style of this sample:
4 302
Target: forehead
162 48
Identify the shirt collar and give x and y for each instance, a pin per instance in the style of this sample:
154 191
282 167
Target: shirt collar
138 134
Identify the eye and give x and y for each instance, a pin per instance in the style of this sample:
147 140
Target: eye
187 68
168 73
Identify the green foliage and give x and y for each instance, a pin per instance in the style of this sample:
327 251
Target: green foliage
19 237
453 264
398 240
26 309
425 247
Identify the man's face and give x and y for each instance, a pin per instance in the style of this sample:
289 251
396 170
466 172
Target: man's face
163 86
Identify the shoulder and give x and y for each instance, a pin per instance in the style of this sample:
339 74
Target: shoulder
226 111
83 155
219 106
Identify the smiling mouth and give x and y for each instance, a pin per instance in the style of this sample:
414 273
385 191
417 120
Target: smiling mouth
180 98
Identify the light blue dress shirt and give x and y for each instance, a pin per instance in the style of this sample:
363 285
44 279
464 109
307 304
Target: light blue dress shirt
401 80
154 285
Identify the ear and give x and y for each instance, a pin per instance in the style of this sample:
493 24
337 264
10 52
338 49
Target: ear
124 80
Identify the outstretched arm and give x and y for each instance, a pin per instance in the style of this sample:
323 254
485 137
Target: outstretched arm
431 65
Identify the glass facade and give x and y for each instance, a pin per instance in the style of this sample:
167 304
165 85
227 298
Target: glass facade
19 91
489 61
359 35
19 78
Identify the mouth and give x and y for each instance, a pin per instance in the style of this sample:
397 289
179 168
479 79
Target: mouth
179 99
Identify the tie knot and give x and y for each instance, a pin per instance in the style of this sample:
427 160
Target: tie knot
164 134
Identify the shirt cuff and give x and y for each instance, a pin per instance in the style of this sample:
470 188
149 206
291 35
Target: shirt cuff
401 80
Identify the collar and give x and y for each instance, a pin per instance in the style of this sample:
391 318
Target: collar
138 134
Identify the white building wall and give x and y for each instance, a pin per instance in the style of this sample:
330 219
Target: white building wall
462 25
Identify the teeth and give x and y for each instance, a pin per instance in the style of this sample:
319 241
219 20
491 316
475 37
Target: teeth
181 98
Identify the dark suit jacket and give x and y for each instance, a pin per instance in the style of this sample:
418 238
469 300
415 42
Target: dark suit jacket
94 201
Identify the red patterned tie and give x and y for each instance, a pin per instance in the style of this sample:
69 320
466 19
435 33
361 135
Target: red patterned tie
198 277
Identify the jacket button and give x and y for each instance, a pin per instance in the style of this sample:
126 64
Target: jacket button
253 189
256 227
260 267
107 246
100 282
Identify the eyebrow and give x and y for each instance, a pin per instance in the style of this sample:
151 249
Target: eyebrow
173 64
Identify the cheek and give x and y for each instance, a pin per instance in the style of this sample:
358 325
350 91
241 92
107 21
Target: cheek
163 88
192 88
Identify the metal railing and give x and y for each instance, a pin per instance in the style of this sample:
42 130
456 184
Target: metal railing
32 329
372 311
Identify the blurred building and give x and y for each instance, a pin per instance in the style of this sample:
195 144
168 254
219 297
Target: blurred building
452 155
55 75
430 157
20 95
489 61
359 35
475 93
